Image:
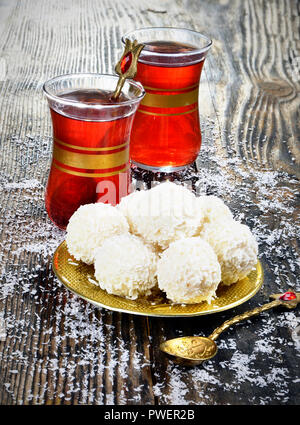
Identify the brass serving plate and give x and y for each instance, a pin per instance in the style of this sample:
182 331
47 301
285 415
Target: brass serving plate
79 278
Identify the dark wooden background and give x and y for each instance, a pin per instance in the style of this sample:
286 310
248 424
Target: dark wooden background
57 349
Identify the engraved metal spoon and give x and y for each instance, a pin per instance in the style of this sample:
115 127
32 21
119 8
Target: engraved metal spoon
193 350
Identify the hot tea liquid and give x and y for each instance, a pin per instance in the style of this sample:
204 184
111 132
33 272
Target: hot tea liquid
90 150
166 130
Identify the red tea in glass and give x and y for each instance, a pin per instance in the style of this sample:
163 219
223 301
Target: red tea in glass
166 132
91 135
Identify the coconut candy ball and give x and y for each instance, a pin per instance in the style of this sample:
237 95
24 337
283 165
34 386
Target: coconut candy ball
89 226
189 271
213 209
125 266
235 247
163 214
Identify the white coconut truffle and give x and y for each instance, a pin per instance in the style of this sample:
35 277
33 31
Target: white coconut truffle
89 226
235 246
214 209
125 266
163 214
129 205
188 271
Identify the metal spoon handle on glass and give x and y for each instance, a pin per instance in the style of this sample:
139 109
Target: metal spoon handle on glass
127 65
193 350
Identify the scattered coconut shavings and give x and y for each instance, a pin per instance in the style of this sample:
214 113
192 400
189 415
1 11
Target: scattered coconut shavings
22 185
2 328
296 337
77 350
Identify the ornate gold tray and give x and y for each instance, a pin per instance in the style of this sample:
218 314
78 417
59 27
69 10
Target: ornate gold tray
79 278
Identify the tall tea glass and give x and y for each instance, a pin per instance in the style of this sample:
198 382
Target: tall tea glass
91 137
166 133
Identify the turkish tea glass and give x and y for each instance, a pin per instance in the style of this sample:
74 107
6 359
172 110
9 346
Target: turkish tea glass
91 137
166 133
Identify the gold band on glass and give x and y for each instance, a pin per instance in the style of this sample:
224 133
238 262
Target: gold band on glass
90 162
170 100
170 90
93 175
167 115
83 148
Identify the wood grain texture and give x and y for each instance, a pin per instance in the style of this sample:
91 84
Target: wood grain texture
57 349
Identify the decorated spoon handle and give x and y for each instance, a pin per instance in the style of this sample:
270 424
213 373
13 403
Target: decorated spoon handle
244 316
127 65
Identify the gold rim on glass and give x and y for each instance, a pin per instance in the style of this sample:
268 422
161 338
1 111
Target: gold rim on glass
79 279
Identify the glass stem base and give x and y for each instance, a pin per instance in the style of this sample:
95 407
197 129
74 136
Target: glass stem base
163 169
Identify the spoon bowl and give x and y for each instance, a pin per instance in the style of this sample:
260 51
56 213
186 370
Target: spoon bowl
190 351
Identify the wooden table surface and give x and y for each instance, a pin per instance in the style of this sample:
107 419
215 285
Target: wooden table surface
57 349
